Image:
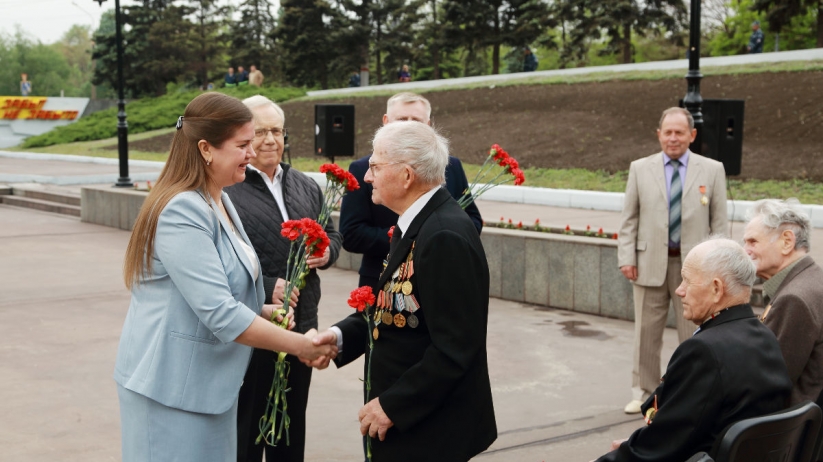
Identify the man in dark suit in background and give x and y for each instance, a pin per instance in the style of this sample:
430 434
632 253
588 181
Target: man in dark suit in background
777 239
730 369
364 224
430 395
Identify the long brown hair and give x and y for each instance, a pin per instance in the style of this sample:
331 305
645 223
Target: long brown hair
213 117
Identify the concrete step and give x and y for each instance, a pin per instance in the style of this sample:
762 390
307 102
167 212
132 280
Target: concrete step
39 204
60 197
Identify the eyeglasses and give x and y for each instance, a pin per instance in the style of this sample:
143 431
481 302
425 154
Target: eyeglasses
276 132
373 165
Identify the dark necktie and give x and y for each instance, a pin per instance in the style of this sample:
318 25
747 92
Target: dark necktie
395 239
674 204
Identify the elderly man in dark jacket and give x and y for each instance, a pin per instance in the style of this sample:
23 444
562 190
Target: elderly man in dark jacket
777 239
730 369
272 193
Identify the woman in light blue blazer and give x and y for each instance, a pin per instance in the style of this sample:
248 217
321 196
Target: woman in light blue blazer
197 297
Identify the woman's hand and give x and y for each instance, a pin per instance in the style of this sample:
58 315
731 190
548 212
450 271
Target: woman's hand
313 354
272 310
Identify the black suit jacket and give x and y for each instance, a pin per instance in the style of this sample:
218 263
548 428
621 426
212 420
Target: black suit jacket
730 370
433 380
364 225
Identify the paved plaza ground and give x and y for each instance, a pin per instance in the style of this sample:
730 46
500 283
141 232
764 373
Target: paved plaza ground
560 379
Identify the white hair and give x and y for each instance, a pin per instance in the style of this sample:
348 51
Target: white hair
727 260
408 97
778 216
418 145
256 101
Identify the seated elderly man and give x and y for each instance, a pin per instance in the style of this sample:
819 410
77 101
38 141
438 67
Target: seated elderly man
777 239
730 369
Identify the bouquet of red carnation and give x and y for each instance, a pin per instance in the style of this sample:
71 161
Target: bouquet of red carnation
307 239
338 183
361 299
511 170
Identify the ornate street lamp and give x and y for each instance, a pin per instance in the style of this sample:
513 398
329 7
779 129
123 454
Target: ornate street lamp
693 101
122 125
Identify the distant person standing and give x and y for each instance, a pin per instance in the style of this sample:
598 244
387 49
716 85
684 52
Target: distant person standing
25 85
354 80
404 75
255 76
756 39
529 60
242 76
231 78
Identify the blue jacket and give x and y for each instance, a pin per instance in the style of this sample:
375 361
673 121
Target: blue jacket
177 345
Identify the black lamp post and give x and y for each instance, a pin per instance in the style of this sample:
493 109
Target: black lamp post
122 125
693 101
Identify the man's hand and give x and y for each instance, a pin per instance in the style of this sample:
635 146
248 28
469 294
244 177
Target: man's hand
630 272
326 337
277 295
373 420
616 443
317 262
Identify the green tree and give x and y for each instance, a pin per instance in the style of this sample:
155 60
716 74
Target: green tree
76 46
306 37
209 42
619 20
251 39
733 37
477 24
785 14
47 69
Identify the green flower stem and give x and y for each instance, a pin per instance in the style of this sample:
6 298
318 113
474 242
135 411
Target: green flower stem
368 373
468 197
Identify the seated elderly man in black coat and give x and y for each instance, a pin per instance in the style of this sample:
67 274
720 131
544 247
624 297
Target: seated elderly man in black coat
730 369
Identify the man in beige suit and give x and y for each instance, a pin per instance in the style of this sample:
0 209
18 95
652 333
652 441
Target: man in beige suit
674 199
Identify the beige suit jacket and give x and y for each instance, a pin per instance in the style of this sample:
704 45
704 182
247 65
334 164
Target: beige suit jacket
643 239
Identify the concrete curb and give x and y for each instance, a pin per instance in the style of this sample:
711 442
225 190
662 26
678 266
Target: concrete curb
568 198
783 56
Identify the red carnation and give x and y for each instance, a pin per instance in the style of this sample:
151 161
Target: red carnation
391 232
361 298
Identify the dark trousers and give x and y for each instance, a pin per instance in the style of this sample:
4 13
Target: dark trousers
252 404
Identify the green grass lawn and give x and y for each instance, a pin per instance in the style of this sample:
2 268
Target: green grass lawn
807 192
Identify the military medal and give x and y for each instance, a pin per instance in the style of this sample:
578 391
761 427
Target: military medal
375 333
703 199
407 288
651 412
399 320
387 318
412 320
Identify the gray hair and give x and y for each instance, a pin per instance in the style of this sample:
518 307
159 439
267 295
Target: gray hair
727 260
677 110
778 216
408 97
418 145
256 101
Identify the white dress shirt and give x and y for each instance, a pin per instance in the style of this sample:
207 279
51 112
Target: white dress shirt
276 188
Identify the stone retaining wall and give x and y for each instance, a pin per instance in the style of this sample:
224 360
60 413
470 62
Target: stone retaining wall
554 270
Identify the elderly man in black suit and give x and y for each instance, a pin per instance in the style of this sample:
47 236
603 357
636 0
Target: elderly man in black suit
730 369
777 239
430 394
363 223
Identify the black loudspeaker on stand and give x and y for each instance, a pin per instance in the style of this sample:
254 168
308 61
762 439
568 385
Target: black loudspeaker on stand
722 135
334 130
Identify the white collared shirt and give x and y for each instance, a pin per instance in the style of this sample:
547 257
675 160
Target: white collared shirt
276 188
405 220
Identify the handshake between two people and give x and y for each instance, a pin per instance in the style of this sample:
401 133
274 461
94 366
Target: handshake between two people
326 339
